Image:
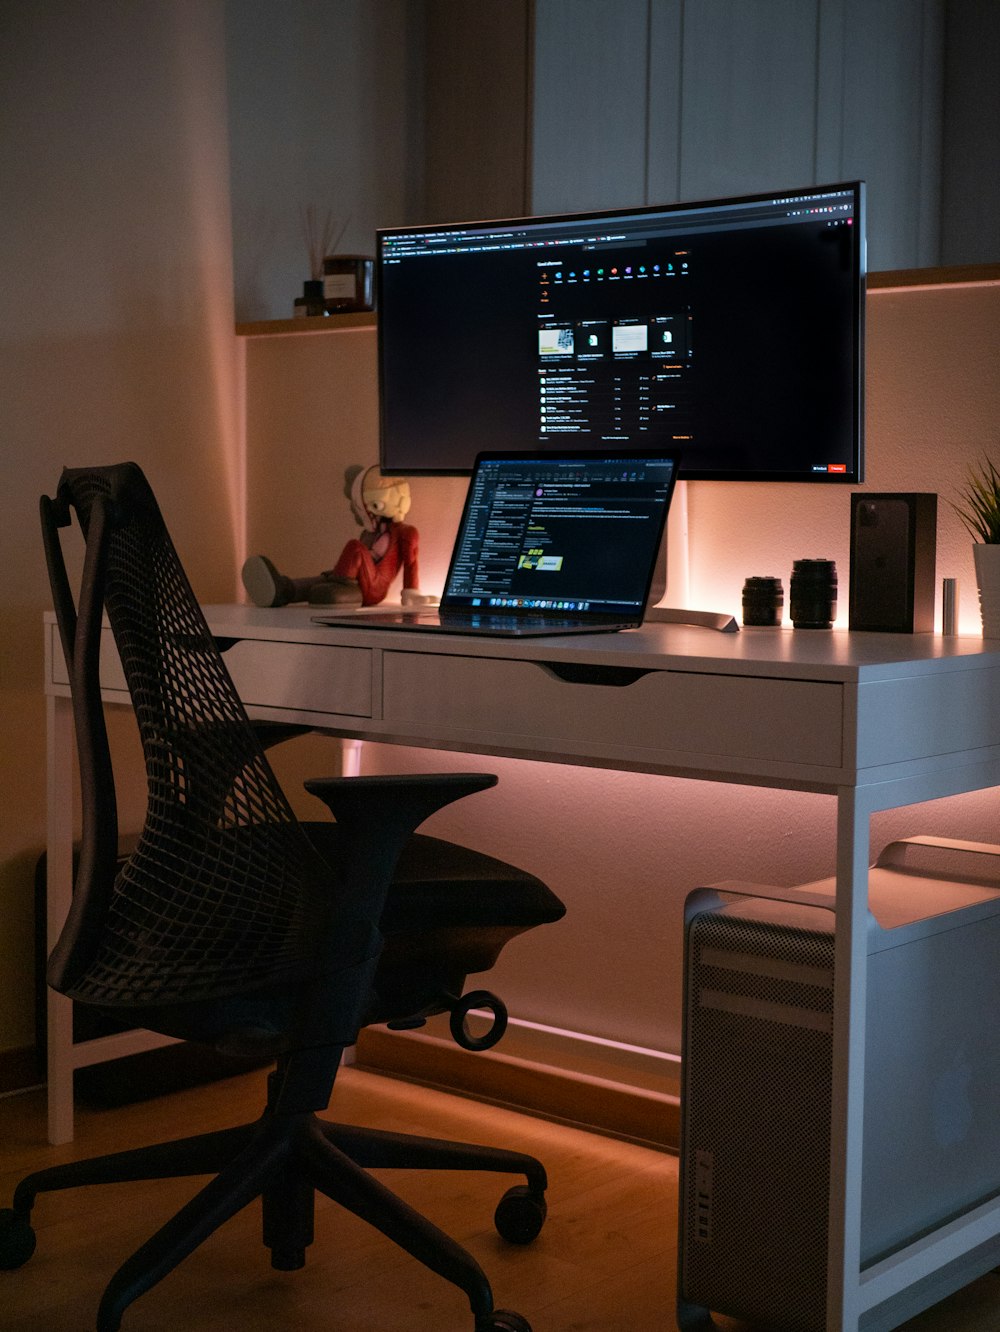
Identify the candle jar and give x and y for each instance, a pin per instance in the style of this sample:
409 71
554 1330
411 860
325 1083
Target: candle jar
348 282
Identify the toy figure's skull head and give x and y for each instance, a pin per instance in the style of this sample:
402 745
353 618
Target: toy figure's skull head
387 498
375 497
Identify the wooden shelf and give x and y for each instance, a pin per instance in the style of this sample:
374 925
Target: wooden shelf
898 279
335 323
958 275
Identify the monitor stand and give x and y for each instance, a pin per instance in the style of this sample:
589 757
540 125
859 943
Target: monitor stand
673 557
721 620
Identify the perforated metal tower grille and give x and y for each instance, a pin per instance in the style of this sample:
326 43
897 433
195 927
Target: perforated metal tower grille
756 1131
223 894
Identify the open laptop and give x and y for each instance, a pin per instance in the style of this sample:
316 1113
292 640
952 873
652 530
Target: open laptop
553 543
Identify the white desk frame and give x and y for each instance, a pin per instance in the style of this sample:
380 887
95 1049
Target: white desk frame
876 721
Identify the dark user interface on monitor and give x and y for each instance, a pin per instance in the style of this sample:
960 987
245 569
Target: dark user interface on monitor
527 537
731 329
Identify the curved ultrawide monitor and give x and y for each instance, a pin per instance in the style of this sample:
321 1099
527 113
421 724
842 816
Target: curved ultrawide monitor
732 330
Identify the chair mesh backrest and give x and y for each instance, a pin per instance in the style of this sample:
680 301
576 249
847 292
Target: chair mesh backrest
224 894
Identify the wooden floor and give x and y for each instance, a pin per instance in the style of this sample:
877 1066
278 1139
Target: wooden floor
603 1263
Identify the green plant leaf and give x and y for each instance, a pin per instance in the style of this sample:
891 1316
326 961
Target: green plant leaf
979 503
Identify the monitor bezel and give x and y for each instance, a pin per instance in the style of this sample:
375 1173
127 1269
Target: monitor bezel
854 476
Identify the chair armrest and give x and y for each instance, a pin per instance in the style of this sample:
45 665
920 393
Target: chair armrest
376 817
413 797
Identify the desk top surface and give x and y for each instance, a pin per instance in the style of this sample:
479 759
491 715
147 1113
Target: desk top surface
834 654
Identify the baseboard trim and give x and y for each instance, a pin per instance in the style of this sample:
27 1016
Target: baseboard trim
544 1078
19 1070
581 1099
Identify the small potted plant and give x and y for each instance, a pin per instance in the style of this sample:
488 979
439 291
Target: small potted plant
979 510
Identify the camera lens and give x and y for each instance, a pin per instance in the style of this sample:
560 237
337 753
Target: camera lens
813 594
763 599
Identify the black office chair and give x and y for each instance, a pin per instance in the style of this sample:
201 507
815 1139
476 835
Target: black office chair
234 924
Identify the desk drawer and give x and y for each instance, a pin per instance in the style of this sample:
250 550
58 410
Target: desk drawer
302 677
297 676
660 713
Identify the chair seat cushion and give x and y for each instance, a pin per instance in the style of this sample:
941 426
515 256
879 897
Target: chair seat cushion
440 884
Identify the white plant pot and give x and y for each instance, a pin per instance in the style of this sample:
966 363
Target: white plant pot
987 560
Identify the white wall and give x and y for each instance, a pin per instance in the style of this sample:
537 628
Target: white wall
622 850
422 110
322 112
932 401
117 306
116 341
116 315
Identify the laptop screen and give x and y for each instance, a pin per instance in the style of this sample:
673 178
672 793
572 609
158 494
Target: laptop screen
576 533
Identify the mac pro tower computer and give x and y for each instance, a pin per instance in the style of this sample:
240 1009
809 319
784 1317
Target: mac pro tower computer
757 1079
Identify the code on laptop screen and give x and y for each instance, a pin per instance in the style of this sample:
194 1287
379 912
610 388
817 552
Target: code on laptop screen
561 534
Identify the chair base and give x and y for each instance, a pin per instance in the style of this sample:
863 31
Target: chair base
283 1159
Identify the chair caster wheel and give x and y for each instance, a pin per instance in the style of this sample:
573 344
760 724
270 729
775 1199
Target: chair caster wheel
520 1215
17 1240
459 1026
502 1320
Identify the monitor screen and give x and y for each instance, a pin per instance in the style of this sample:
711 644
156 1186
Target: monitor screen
730 330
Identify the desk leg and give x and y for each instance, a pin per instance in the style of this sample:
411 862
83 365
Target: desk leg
350 766
850 972
350 758
59 891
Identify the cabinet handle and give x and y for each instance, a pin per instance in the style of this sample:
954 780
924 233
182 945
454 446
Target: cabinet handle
616 677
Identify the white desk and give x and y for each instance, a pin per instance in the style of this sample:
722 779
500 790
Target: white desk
876 721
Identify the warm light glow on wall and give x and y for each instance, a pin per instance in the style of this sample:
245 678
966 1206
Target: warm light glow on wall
202 110
624 849
932 403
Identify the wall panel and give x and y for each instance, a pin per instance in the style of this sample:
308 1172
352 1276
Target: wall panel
477 107
885 83
663 147
970 220
665 100
748 108
590 104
